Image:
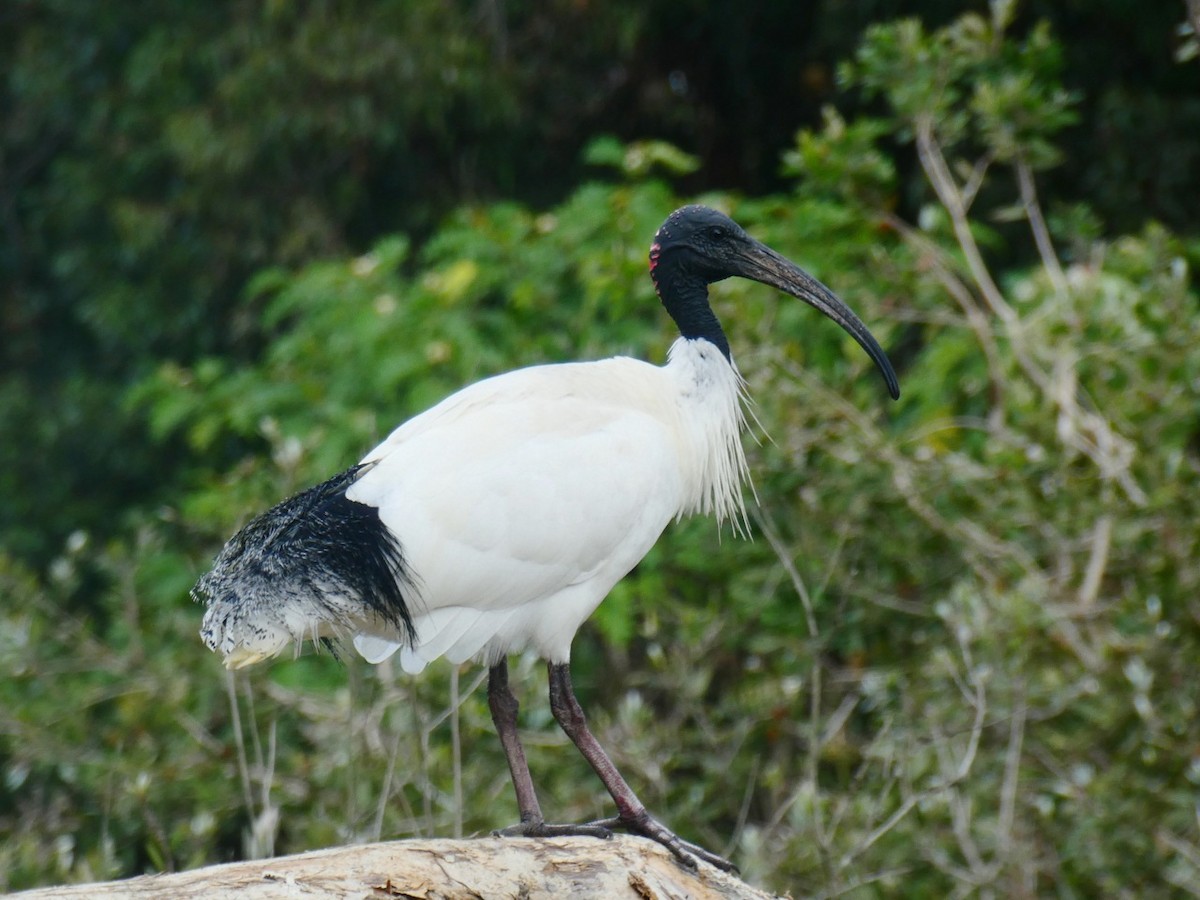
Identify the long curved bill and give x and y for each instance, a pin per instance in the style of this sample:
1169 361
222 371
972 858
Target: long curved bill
764 265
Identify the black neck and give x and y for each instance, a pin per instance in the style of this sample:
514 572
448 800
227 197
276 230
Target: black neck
685 296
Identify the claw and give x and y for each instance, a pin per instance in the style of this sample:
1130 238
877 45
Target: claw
686 852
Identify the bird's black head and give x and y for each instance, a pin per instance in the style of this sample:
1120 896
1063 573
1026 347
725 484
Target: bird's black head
697 246
699 240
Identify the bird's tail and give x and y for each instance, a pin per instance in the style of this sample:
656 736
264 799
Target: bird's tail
317 566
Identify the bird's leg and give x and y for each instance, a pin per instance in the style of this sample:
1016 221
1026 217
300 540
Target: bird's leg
504 707
631 814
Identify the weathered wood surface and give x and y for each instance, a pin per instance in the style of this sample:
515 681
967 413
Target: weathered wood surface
479 869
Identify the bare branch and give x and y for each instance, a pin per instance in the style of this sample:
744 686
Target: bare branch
839 717
815 741
623 867
980 704
912 800
1189 853
1080 429
976 320
975 180
1097 561
861 882
1037 224
1012 772
891 822
789 566
948 192
240 743
961 814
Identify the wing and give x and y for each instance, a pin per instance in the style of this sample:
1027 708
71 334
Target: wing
540 485
498 520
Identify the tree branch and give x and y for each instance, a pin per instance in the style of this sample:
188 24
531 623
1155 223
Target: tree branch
580 867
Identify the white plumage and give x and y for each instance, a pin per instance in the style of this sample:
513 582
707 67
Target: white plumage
521 500
549 484
497 521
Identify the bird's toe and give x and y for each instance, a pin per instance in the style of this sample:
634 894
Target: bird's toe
685 852
539 829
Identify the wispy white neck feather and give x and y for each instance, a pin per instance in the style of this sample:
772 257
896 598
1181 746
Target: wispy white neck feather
712 393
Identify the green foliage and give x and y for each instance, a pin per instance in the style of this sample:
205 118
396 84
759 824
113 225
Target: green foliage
972 81
958 656
844 161
638 159
154 159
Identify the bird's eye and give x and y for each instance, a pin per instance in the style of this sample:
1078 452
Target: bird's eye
717 232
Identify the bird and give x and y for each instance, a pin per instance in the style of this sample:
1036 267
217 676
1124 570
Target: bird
495 522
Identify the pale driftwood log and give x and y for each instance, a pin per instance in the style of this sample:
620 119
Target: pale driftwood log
479 869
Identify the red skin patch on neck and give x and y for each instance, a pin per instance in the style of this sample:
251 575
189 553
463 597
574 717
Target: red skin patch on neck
655 250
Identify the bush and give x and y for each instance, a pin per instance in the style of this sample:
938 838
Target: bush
956 657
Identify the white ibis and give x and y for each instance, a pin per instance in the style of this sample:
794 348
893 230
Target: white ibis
498 520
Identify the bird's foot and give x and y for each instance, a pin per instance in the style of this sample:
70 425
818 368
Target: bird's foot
536 828
685 851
